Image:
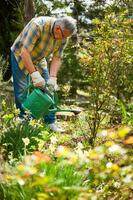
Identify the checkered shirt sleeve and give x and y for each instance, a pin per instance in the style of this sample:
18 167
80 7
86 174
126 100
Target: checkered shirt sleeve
31 36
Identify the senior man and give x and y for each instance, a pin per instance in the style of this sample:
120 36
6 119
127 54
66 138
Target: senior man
41 37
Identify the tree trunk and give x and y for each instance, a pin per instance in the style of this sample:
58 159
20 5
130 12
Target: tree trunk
29 10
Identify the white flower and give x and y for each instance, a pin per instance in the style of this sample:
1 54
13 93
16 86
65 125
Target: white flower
128 179
126 170
26 141
115 148
82 156
52 148
80 145
109 164
63 151
53 140
103 133
94 198
116 184
100 151
21 182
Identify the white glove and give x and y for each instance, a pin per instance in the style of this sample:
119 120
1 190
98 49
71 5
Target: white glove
52 84
38 80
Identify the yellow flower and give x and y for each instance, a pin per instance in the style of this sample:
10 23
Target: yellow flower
123 132
32 122
17 111
72 158
109 143
8 177
21 167
113 135
93 155
112 166
115 167
42 196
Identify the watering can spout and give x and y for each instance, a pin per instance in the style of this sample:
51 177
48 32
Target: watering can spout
58 109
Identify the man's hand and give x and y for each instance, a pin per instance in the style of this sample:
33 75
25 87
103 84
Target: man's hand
52 84
38 80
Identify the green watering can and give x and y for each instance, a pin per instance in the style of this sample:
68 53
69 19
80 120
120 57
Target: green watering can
41 102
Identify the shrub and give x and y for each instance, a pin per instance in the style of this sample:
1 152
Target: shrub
107 62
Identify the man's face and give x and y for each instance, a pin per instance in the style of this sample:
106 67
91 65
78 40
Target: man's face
60 34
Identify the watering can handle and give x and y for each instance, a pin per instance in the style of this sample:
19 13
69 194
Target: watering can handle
26 92
44 89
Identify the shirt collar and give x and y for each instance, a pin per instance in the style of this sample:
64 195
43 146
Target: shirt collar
52 23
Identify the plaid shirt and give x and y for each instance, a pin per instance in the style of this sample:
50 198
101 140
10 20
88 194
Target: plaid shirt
37 37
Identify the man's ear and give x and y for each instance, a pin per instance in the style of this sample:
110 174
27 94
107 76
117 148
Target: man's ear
57 27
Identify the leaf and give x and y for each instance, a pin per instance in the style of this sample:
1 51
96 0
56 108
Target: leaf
42 196
40 181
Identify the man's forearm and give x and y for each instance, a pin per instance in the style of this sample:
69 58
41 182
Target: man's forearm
26 58
55 66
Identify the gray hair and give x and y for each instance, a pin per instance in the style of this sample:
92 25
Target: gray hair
68 23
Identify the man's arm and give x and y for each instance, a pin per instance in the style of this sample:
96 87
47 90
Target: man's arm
26 58
56 60
55 66
37 79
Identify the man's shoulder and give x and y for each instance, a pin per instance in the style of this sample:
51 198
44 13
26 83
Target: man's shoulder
42 20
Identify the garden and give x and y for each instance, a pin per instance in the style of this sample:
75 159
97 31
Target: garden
93 159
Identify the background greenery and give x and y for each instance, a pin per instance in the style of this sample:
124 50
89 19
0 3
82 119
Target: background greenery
96 73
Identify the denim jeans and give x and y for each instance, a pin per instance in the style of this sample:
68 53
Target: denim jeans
20 82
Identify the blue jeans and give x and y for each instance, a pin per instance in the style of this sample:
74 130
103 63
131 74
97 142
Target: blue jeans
20 81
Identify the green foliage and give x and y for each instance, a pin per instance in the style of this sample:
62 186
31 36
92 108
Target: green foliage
12 141
126 112
111 53
65 166
3 66
105 62
48 8
71 70
73 173
15 130
43 165
40 8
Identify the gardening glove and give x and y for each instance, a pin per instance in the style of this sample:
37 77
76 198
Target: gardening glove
52 84
37 79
